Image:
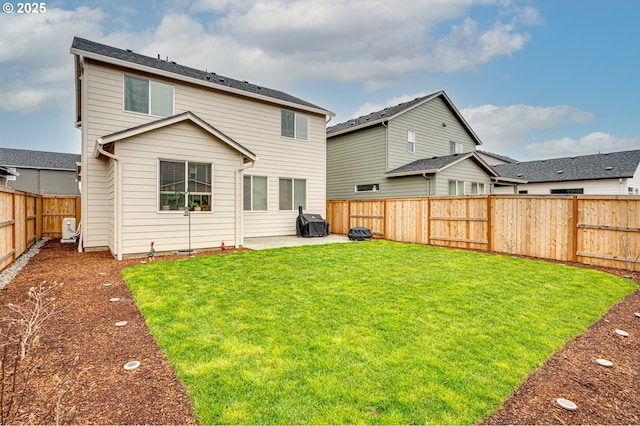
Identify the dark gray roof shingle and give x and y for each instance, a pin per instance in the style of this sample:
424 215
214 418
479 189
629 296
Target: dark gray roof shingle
585 167
498 156
84 45
378 115
10 157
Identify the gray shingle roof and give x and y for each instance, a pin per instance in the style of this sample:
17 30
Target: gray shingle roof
435 164
10 157
378 115
498 156
84 45
586 167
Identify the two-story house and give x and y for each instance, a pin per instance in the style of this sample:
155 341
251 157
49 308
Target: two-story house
158 136
423 147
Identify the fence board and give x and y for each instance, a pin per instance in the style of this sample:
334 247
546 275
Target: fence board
596 230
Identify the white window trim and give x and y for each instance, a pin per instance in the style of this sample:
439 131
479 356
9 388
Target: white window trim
173 91
464 186
411 142
293 189
295 114
186 175
454 145
252 210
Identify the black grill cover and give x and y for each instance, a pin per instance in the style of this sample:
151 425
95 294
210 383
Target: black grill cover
311 225
359 233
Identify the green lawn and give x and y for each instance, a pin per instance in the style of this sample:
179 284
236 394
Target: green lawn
375 332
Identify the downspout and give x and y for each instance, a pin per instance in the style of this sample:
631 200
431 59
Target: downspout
239 200
117 220
424 175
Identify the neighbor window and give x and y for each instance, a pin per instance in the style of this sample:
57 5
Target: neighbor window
293 193
568 191
478 188
148 97
255 193
174 175
293 125
456 187
411 141
456 147
368 187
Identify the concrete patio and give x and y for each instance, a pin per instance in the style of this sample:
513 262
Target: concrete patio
260 243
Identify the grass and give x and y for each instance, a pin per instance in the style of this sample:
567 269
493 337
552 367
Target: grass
376 332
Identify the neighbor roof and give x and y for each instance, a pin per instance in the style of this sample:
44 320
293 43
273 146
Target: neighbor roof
23 158
612 165
436 164
393 111
498 156
91 49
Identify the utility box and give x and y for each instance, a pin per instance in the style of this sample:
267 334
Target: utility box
68 230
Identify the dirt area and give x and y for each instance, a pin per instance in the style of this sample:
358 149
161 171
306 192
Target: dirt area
76 371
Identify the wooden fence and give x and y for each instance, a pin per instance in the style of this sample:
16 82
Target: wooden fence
595 230
26 218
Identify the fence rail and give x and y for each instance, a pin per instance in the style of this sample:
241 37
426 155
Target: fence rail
26 218
595 230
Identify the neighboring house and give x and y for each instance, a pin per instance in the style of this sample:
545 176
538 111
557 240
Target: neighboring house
153 130
493 159
602 174
41 172
418 148
7 175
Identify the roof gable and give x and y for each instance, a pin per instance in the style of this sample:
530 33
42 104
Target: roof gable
169 121
613 165
391 112
23 158
437 164
171 69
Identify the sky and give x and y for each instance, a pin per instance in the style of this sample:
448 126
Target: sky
534 79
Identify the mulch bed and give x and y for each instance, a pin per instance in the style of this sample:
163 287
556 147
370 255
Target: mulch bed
80 357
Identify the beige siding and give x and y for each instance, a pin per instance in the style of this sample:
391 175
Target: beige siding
356 159
432 139
634 182
253 124
143 222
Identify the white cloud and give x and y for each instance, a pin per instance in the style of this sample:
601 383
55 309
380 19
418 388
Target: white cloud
506 127
592 143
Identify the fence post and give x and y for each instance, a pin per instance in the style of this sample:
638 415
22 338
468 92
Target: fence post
573 229
489 224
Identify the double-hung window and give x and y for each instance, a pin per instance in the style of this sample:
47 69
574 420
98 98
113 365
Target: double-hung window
411 141
456 187
255 193
294 125
293 193
478 188
455 147
177 176
147 96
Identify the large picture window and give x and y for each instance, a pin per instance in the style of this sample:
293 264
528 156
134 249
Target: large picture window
148 97
171 189
293 125
255 193
293 193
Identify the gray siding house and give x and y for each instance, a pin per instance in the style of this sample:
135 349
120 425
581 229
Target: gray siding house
615 173
41 172
423 147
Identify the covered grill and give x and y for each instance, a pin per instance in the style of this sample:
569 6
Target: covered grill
311 225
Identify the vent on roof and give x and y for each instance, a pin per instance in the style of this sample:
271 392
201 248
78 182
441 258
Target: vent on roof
173 62
517 162
608 168
560 172
129 50
158 56
519 175
383 113
208 77
221 80
246 82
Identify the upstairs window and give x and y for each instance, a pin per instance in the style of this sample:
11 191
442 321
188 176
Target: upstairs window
411 141
455 147
148 97
293 125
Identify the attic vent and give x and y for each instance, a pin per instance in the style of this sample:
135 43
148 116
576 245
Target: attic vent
173 62
353 123
246 82
208 77
129 50
383 113
221 80
519 175
158 56
258 87
608 168
560 172
368 118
